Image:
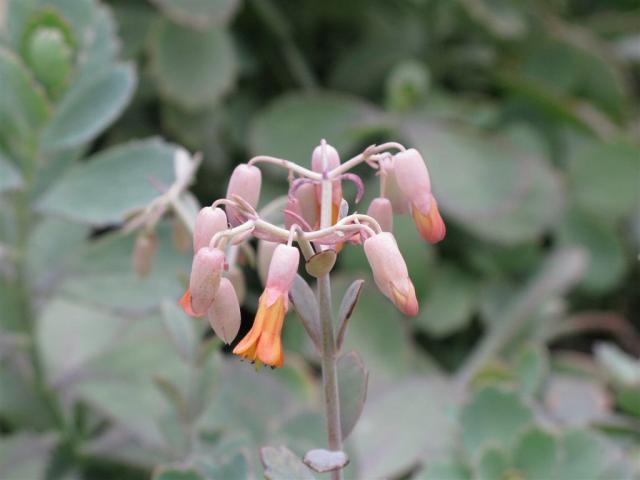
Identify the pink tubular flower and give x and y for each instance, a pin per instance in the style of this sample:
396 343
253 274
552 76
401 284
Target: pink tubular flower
208 222
245 182
206 270
390 272
413 178
382 210
263 342
224 312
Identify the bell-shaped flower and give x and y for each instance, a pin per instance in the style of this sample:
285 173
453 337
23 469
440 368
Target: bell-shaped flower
245 182
382 211
390 272
263 342
324 159
413 178
206 270
224 312
208 222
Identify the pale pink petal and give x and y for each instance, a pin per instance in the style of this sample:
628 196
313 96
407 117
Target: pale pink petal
224 313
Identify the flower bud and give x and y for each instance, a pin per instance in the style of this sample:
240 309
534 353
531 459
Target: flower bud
206 270
390 272
236 277
333 159
413 178
180 236
382 211
245 182
265 253
143 252
224 312
392 190
208 222
318 165
282 270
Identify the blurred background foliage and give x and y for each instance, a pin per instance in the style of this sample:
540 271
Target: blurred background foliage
523 362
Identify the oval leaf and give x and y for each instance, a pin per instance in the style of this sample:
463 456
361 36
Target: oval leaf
321 263
322 461
89 107
281 464
198 14
293 125
348 303
353 380
116 181
192 68
304 301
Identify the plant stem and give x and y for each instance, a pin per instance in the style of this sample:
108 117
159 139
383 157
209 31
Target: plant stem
559 273
329 370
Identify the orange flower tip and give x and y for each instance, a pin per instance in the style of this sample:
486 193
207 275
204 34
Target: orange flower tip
185 303
431 226
406 302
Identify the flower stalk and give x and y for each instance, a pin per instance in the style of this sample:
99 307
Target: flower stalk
329 357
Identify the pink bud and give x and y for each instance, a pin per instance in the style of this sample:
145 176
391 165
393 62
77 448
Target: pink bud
236 276
206 270
382 211
413 178
180 236
307 203
282 271
208 222
224 312
392 190
331 155
318 165
143 252
265 253
390 272
245 182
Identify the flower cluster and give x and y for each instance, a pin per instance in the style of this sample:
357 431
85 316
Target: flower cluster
317 218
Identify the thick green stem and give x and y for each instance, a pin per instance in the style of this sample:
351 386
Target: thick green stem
24 220
329 369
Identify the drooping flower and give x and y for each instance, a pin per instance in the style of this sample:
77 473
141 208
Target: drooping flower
392 190
224 312
204 282
382 210
413 178
208 222
390 272
263 342
245 182
324 159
